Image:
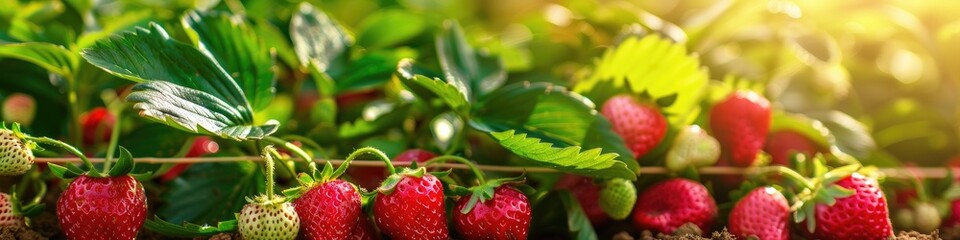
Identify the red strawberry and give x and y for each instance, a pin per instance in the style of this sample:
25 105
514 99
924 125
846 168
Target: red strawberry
102 208
587 194
862 215
413 208
741 122
8 218
669 204
328 210
201 146
641 125
763 213
364 230
97 126
505 216
371 177
354 98
782 145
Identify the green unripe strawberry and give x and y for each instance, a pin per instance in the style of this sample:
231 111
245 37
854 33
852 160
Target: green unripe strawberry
617 198
904 218
16 156
692 147
264 219
926 217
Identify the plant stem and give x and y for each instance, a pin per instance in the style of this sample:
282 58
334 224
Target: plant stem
114 139
296 150
268 162
473 167
76 132
371 151
64 146
791 175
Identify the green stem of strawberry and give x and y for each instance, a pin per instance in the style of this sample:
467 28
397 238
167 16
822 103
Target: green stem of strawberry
268 153
476 171
114 138
371 151
64 146
296 150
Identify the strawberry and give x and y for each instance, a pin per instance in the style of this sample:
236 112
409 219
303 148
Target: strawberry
641 125
782 145
268 216
102 208
741 122
410 205
505 216
371 177
763 213
692 147
953 216
859 210
201 146
16 154
667 205
587 194
97 125
329 210
364 230
617 198
8 218
268 219
19 108
926 217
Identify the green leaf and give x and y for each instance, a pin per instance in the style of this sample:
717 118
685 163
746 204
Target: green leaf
462 65
194 111
551 113
317 38
577 220
209 192
237 48
123 165
812 129
655 66
570 159
179 85
62 172
390 27
852 137
372 69
453 93
188 230
54 58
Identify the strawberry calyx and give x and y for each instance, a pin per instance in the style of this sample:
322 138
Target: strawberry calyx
391 182
308 181
822 189
35 206
485 191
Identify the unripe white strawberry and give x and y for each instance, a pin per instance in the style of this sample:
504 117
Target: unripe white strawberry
268 220
7 217
15 154
618 197
692 147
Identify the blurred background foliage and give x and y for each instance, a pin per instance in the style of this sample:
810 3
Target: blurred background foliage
891 65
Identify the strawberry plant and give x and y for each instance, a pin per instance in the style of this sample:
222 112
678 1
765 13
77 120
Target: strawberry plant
402 119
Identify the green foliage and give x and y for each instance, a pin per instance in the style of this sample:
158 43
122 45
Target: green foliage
188 230
317 38
210 192
54 58
653 66
179 85
591 162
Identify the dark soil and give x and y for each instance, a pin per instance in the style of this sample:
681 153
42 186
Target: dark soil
20 233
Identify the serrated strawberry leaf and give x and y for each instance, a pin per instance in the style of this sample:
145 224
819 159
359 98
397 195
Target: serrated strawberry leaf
317 38
188 230
552 114
231 41
591 162
652 65
454 93
124 164
178 85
